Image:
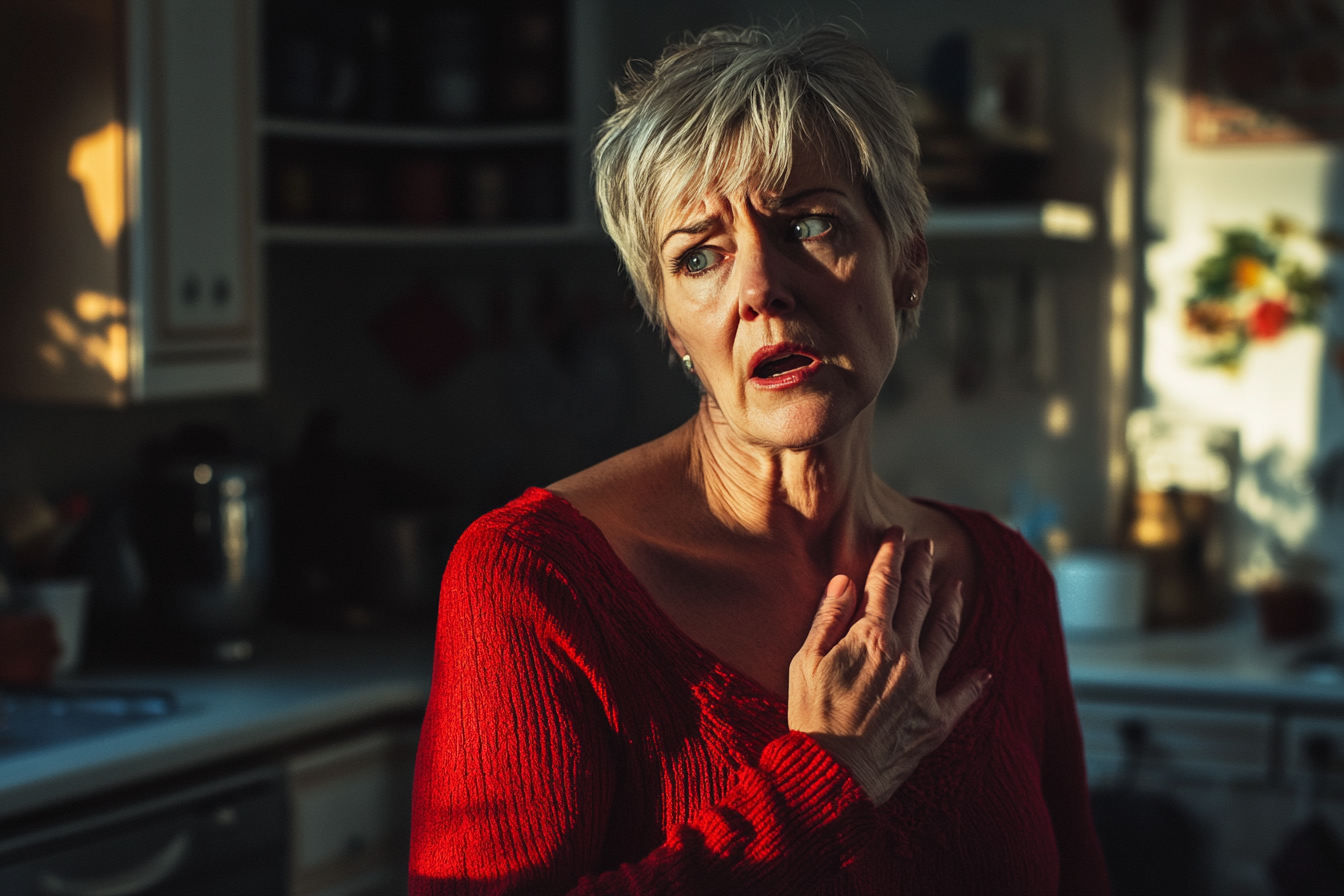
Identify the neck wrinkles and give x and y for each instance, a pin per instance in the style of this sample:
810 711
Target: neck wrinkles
800 498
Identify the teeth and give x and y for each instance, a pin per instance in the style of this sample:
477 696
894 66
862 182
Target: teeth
781 365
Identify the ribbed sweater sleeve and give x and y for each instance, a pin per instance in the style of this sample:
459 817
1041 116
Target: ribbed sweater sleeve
522 753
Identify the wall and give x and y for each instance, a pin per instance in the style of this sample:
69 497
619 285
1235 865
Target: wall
499 420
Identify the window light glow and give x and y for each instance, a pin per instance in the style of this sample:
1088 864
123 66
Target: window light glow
98 163
102 341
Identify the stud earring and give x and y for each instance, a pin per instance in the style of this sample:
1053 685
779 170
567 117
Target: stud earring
686 364
914 299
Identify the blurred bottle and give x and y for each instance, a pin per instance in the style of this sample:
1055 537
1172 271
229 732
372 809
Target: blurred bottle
382 104
293 186
452 52
295 78
540 191
487 190
1179 516
528 71
421 190
348 188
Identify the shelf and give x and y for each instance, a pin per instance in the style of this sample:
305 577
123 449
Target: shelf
1052 219
417 135
393 235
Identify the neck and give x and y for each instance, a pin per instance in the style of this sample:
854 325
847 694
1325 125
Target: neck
823 500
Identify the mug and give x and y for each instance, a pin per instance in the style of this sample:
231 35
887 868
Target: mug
1100 591
65 601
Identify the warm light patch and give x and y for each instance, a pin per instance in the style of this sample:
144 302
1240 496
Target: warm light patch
109 344
63 328
1068 221
96 306
52 355
98 162
1058 416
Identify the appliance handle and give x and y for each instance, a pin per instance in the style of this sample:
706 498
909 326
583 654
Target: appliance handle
136 879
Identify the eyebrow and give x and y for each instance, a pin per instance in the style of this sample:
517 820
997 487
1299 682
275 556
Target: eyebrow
771 204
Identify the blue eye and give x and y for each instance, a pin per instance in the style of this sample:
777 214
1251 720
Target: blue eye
699 260
807 228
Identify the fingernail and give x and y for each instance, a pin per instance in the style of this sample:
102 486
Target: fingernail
837 586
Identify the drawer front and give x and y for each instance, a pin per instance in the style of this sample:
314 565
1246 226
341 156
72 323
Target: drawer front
209 840
1180 743
350 815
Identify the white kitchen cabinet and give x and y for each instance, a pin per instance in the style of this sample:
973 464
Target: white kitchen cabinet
350 813
1181 742
193 270
1241 772
129 255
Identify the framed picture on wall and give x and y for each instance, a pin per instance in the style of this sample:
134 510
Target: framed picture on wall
1264 71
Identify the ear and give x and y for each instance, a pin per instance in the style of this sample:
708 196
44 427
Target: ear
912 274
677 345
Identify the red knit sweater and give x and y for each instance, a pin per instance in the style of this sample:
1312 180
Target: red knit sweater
577 741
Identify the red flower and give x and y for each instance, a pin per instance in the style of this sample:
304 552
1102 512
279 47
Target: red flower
1267 319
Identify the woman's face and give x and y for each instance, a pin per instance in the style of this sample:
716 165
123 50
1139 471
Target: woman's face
786 303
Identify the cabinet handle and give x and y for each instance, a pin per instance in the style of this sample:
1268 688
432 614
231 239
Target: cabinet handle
136 879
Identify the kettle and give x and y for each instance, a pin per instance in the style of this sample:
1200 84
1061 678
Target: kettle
206 546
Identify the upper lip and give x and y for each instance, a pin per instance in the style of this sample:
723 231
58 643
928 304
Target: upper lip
779 350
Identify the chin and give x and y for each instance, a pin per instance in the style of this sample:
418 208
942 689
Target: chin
806 424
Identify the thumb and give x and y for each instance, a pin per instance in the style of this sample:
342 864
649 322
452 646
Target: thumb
834 614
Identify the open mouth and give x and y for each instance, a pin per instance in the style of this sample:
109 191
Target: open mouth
779 365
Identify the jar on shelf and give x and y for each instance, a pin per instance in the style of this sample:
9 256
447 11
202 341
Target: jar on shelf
453 88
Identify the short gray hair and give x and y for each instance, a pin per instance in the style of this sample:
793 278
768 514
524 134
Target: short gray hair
721 110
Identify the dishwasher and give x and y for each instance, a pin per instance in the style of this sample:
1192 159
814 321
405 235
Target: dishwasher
225 836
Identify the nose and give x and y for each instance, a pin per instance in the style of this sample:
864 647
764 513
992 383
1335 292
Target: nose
761 269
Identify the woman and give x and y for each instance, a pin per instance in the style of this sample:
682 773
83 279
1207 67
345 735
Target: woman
732 660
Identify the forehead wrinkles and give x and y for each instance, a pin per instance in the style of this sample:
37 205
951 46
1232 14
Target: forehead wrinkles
728 167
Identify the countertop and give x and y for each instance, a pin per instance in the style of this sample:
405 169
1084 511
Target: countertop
300 684
303 683
1229 664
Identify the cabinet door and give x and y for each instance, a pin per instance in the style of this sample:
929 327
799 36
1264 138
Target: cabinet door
192 271
350 811
1180 743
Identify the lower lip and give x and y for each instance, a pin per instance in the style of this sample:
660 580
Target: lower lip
787 380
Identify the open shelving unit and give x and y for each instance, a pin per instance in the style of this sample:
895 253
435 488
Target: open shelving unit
535 164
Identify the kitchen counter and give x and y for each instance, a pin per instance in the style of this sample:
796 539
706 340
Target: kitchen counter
300 684
304 683
1228 664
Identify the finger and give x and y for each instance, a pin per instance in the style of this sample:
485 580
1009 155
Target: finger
884 577
833 616
955 702
916 595
941 627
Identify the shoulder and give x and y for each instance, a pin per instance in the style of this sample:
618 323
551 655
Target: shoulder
622 494
1010 571
533 553
1000 547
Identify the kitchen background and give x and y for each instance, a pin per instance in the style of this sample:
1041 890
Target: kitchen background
353 271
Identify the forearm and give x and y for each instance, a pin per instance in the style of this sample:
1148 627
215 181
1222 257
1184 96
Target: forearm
785 826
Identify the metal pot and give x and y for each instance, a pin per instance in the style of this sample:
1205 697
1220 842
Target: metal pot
207 551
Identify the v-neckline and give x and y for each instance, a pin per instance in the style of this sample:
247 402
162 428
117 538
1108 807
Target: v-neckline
724 669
